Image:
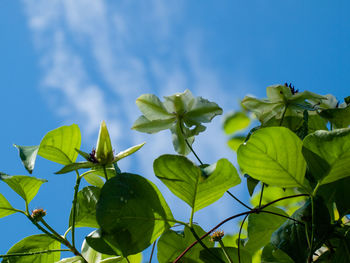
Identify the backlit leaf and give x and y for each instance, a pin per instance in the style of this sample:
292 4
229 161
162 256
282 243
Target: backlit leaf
28 156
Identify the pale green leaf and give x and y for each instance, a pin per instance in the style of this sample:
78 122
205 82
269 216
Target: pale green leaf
202 111
26 186
28 156
128 152
236 121
59 145
152 108
142 124
196 187
273 156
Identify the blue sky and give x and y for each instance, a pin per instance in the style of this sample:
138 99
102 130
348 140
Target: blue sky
84 61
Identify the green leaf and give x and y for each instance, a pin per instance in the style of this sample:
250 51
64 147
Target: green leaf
28 156
340 117
132 213
236 121
86 207
251 184
232 252
95 241
179 140
202 111
26 186
5 207
76 166
197 188
271 254
92 255
171 244
59 145
328 154
235 142
35 243
179 102
291 236
142 124
76 259
128 152
261 226
152 108
273 155
92 178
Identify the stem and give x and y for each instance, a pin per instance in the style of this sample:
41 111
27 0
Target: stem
66 233
239 201
202 244
261 194
277 214
43 229
312 228
105 172
284 113
32 253
239 239
282 198
210 231
150 258
225 252
127 259
74 208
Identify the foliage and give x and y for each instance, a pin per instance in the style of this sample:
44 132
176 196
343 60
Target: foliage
297 155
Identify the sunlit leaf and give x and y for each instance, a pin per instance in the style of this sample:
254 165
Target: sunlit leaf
152 108
236 121
5 207
273 156
59 145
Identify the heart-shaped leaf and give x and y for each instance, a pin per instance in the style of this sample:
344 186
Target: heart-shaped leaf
196 187
273 156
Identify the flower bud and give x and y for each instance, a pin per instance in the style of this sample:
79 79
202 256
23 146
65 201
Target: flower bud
38 214
104 151
217 236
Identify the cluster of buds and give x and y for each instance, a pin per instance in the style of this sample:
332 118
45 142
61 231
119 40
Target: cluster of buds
217 236
292 88
38 214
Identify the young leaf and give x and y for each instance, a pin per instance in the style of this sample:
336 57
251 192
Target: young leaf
76 166
152 108
28 156
92 178
171 244
104 150
261 226
197 188
35 243
128 152
76 259
132 213
328 154
235 121
273 156
26 186
86 207
59 145
5 207
142 124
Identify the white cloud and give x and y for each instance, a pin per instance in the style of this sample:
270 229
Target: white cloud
97 58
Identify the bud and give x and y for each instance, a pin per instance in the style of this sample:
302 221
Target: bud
217 236
104 151
38 214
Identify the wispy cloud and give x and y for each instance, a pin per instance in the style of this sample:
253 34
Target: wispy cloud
98 57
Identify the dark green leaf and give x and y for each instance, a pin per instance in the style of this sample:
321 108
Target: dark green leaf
28 156
5 207
232 252
171 244
132 213
197 188
340 117
271 254
35 243
59 145
86 207
273 156
251 184
95 241
291 236
26 186
92 255
261 226
328 154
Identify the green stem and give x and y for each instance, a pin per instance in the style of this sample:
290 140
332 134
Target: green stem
261 194
284 113
202 244
277 214
33 253
66 233
74 208
127 259
239 201
225 252
312 228
43 229
105 172
239 238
